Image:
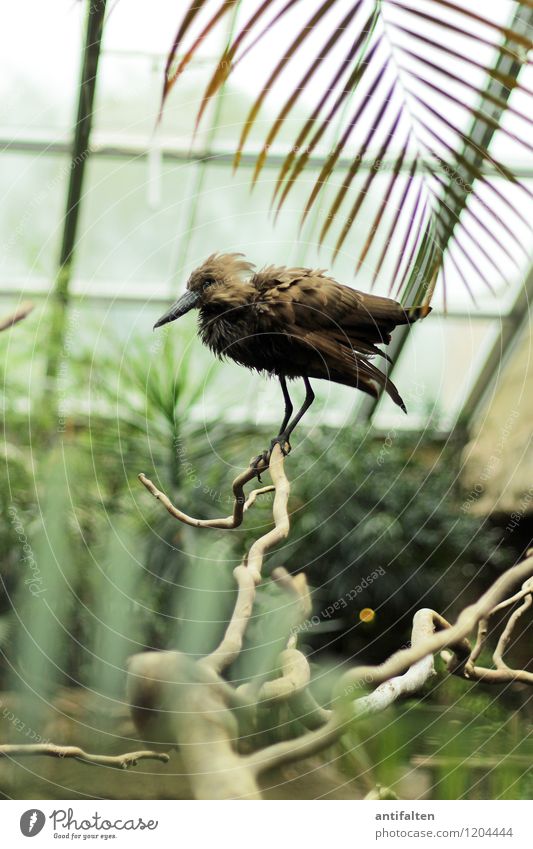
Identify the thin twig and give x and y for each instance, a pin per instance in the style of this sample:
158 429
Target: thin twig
506 634
466 622
53 751
496 676
527 587
482 632
21 313
240 504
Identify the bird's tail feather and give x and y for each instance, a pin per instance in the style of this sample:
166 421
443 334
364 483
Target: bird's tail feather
415 313
345 365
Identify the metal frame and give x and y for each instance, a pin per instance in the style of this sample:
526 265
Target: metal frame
80 153
84 118
83 146
122 149
500 350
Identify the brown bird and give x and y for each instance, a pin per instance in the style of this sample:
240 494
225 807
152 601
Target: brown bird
292 322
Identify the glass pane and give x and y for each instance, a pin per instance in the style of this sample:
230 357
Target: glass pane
134 28
504 148
135 48
33 197
231 217
128 98
40 67
500 219
440 360
132 221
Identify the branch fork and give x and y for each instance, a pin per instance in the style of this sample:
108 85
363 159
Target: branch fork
215 765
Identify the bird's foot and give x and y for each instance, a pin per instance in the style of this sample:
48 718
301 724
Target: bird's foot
283 441
262 461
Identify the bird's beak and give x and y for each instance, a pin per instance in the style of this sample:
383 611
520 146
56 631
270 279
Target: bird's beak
187 302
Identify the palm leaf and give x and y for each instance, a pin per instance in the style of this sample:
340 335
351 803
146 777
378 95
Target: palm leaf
401 66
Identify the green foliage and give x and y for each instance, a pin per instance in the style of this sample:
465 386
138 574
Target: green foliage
121 575
362 505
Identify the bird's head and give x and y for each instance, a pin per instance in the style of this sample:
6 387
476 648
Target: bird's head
219 280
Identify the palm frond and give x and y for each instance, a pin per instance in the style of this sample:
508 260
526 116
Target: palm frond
405 93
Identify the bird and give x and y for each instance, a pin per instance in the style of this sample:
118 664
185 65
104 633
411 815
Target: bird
292 323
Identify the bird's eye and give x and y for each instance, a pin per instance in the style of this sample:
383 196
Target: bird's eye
208 282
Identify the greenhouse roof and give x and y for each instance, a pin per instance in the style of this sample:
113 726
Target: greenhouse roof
152 204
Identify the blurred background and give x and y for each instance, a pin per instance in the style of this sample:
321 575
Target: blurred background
438 502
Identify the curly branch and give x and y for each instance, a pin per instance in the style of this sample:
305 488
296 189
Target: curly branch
465 666
280 513
231 645
49 749
205 715
240 503
309 744
505 637
295 676
467 620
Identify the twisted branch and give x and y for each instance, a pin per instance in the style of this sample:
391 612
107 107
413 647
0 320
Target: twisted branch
49 749
205 711
466 667
240 503
467 620
231 645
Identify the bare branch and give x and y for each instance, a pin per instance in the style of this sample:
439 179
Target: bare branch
335 726
179 702
231 645
306 709
50 750
506 634
495 676
292 687
482 632
21 313
527 587
279 510
412 680
201 712
467 620
240 504
309 744
295 676
297 587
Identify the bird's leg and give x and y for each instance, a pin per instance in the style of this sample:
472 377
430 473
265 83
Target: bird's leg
288 404
265 456
288 427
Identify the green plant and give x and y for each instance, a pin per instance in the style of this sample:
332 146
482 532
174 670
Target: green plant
401 64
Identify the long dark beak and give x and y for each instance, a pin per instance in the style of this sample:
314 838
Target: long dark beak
187 302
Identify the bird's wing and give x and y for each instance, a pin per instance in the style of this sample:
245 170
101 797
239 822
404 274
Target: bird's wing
329 359
311 300
339 326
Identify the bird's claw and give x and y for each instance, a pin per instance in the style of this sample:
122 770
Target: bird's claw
261 460
283 442
264 458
